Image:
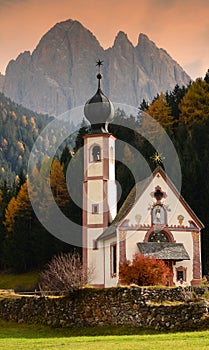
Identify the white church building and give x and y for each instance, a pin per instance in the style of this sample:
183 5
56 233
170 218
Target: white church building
154 220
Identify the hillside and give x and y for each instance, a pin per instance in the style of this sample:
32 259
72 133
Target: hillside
19 128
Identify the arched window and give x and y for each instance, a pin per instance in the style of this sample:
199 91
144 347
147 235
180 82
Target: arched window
95 153
158 237
158 215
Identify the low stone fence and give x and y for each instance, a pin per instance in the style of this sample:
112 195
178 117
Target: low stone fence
166 308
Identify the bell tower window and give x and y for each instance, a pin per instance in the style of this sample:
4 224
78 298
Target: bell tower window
95 154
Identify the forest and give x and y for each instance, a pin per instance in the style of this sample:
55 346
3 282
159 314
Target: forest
25 244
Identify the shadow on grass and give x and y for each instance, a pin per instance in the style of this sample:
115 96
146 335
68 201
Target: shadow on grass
29 331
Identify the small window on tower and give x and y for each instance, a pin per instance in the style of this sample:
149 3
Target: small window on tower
96 153
95 208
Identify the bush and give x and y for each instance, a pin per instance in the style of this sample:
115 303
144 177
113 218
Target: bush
144 271
64 274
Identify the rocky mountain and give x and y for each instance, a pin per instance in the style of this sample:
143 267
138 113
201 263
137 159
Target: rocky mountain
60 72
1 81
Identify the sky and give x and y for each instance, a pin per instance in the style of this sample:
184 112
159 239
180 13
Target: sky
181 27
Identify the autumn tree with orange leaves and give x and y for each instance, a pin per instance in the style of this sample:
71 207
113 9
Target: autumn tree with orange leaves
144 271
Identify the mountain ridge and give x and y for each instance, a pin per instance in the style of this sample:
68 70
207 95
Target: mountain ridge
60 72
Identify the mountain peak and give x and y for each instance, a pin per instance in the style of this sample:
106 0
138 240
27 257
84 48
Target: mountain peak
59 73
69 24
121 37
144 40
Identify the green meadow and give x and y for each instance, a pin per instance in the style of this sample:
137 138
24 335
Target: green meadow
15 336
19 282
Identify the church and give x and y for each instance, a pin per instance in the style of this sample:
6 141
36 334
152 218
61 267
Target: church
154 220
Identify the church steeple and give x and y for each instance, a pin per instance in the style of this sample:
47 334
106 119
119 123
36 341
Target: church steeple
99 109
99 187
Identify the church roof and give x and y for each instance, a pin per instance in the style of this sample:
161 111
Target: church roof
133 195
136 193
165 251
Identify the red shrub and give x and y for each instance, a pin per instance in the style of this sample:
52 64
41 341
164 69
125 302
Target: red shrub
144 271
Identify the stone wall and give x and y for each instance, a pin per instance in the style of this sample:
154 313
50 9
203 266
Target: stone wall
161 309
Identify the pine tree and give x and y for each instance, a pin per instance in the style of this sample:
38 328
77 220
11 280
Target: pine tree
79 139
65 158
207 77
174 98
194 106
144 105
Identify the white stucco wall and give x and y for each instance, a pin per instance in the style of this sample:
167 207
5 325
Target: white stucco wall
95 257
132 238
109 280
111 159
100 260
95 195
186 239
143 208
112 199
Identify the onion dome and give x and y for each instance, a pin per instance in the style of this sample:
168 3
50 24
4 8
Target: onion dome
99 110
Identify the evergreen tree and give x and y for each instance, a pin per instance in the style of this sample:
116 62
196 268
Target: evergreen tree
207 77
65 158
194 106
174 98
82 131
144 105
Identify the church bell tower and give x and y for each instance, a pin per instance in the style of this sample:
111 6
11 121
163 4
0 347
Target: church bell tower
99 187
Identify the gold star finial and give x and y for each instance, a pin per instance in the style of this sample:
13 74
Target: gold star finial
158 158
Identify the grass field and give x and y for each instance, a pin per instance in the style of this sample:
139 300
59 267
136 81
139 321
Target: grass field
19 282
29 337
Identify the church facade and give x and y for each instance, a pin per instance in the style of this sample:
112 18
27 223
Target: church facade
154 220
